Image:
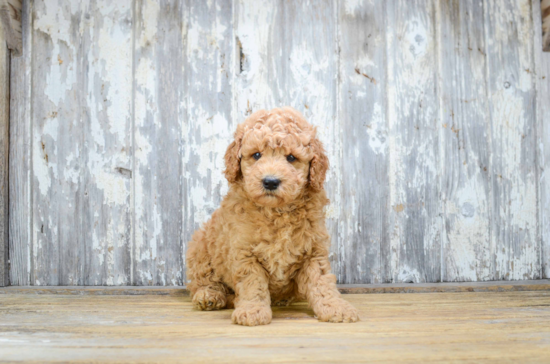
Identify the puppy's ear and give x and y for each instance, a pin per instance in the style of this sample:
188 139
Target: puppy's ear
233 160
318 166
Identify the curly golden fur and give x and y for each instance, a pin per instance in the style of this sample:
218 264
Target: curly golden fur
268 246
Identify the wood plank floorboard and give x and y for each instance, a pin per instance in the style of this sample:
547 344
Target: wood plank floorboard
490 286
428 327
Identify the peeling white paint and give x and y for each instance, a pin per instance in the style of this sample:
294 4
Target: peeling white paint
40 168
113 186
352 6
150 13
412 111
114 53
56 24
377 130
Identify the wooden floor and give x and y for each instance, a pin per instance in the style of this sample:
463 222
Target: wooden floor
473 327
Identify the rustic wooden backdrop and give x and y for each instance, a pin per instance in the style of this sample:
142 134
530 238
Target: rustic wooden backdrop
433 114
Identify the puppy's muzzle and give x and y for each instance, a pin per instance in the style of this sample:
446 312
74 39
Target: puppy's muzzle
271 183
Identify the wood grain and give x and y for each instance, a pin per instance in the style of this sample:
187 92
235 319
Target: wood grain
4 157
104 194
415 211
375 288
258 80
511 100
57 138
438 327
362 115
467 250
81 140
160 117
542 65
20 199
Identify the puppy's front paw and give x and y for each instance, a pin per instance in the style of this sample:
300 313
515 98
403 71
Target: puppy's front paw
209 299
252 315
337 310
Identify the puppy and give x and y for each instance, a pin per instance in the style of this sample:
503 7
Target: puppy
267 243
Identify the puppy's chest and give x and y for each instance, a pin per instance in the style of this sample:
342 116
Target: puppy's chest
281 259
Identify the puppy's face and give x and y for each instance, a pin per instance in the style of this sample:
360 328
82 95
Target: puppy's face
275 157
273 176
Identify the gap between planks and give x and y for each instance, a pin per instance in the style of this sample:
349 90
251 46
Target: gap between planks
447 287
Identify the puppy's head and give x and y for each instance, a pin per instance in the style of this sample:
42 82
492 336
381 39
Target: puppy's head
276 156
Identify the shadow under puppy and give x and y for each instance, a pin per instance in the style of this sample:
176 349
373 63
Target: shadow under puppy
268 243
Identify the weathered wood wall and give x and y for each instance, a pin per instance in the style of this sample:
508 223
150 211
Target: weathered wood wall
4 145
432 113
542 66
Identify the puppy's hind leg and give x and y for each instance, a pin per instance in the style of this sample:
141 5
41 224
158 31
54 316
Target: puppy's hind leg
207 291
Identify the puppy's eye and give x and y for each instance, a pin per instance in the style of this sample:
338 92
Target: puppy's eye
257 155
290 158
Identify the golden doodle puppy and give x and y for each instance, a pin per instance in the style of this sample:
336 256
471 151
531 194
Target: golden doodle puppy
267 243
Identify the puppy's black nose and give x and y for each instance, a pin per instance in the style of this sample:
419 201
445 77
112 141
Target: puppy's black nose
271 183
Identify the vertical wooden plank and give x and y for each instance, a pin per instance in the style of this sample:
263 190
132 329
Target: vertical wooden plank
210 126
105 83
510 66
81 111
465 142
288 56
4 152
413 141
56 144
362 114
20 199
542 75
160 117
259 76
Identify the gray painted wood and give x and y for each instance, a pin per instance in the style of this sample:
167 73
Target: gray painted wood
258 77
542 65
106 73
415 211
4 153
362 114
449 287
81 140
543 117
511 100
160 118
56 220
430 112
467 251
20 199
